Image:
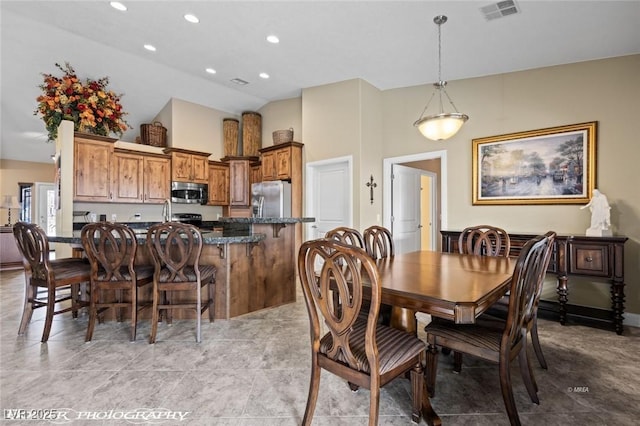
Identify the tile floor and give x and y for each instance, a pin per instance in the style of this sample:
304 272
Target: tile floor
254 370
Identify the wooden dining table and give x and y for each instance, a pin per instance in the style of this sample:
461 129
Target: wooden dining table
457 287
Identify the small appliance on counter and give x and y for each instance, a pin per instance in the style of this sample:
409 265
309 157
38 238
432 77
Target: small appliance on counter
271 199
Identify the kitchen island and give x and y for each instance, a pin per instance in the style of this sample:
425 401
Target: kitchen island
256 269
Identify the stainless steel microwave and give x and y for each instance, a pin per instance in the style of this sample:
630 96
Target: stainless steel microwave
189 193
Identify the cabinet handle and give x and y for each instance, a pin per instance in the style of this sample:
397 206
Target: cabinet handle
588 259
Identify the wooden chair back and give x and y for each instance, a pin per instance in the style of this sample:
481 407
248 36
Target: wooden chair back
526 285
379 242
34 246
346 235
484 240
111 249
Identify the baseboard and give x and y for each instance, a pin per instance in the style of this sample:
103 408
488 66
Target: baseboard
585 315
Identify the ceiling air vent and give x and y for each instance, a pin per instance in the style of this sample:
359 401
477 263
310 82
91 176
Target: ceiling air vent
500 9
239 81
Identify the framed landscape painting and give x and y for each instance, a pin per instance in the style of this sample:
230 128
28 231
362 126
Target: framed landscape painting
555 165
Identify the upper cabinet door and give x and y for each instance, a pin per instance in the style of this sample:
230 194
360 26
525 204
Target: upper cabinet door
269 166
127 178
283 164
218 184
181 167
200 167
92 170
157 175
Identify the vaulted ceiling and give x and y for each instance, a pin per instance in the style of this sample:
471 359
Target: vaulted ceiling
390 44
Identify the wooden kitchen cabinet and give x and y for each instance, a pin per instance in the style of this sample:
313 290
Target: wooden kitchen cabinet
140 178
282 161
256 173
92 168
188 166
218 183
239 186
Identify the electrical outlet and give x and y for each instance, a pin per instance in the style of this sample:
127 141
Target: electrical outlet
93 217
114 217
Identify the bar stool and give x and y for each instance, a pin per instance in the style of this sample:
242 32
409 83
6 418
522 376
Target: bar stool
60 278
176 248
111 249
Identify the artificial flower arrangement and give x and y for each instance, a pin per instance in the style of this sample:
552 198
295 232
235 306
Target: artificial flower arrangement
90 105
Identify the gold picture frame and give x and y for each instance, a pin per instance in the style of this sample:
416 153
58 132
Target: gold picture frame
555 165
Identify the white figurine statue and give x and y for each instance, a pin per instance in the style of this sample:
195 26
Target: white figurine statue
600 215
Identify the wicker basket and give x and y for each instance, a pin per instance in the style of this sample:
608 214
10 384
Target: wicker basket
282 136
153 134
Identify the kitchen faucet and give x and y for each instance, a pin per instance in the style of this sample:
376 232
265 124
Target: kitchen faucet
166 210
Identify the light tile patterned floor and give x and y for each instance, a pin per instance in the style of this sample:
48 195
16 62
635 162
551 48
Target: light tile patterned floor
254 370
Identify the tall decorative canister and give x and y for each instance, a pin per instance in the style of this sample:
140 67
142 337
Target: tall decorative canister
230 128
251 133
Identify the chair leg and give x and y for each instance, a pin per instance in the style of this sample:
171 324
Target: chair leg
134 312
27 309
198 313
457 362
374 404
417 386
507 393
314 387
119 309
154 317
75 296
527 374
93 314
48 321
211 291
431 368
536 344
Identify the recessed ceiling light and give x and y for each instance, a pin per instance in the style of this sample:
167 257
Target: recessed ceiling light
150 47
191 18
118 5
210 70
264 75
273 39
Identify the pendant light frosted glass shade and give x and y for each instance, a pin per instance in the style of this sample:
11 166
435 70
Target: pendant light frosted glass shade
442 125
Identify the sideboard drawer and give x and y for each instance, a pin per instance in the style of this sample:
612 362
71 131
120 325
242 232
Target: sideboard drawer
589 259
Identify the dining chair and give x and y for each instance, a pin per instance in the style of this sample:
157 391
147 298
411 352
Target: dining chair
60 279
484 240
360 350
175 249
346 235
493 241
379 245
500 346
111 249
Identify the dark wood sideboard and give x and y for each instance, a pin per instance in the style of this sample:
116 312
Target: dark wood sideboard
594 257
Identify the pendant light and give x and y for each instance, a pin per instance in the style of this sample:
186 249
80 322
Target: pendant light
443 125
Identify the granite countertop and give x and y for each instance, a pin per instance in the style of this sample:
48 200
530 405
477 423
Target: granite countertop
211 238
260 220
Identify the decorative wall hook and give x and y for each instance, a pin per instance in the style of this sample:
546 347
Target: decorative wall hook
371 184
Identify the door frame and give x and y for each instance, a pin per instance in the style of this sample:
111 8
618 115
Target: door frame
433 213
310 177
441 186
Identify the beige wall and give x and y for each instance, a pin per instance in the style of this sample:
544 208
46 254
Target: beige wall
195 127
607 91
281 115
13 172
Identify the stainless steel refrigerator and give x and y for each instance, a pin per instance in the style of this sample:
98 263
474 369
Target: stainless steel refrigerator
271 199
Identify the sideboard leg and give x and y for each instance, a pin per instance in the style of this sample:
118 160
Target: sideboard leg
562 298
617 298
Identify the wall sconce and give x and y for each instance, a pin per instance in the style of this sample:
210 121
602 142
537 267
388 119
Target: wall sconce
9 202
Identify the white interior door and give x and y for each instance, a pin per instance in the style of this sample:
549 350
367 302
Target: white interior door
329 188
45 206
405 210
